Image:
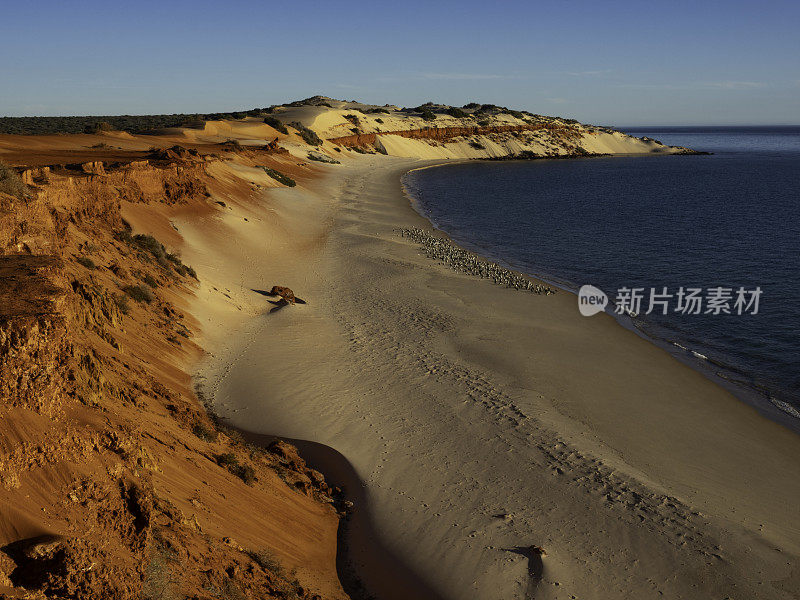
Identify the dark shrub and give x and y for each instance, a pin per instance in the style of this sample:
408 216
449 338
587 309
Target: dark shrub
204 432
122 303
86 262
139 293
150 280
457 113
427 115
276 125
244 472
280 177
267 560
231 145
98 127
309 137
352 118
379 120
10 182
227 460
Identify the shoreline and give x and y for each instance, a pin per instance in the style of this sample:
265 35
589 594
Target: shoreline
751 394
394 364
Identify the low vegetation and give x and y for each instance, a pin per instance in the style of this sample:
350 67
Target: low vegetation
280 177
129 123
205 433
244 472
122 303
99 127
276 125
323 158
457 113
86 262
139 293
11 183
309 137
266 559
150 280
149 245
427 115
352 118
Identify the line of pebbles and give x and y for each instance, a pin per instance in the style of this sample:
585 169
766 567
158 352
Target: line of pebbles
458 259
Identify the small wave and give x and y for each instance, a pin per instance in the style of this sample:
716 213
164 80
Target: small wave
786 407
698 355
680 346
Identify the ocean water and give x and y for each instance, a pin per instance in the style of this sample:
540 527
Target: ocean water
730 220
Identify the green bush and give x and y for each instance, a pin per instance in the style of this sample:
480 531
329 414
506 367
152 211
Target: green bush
155 248
267 560
204 432
309 137
352 118
244 472
86 262
276 125
227 460
280 177
457 113
139 293
122 303
10 182
150 280
98 127
427 115
323 158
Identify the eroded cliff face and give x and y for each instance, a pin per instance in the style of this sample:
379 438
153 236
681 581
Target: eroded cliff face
114 481
439 133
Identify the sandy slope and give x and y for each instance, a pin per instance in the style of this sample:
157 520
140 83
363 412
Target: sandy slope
483 421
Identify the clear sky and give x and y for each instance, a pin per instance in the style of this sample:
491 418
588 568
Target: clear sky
604 62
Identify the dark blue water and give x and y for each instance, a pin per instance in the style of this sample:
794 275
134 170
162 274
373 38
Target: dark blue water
728 220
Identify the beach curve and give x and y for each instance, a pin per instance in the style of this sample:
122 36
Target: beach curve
356 339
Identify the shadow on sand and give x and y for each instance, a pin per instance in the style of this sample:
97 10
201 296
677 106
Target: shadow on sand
359 550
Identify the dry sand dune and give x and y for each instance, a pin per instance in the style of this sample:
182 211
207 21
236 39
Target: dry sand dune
485 423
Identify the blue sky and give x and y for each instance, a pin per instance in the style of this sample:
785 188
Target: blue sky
605 62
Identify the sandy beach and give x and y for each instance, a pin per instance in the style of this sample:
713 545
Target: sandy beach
485 423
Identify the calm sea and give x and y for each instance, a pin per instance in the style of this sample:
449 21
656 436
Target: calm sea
730 220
